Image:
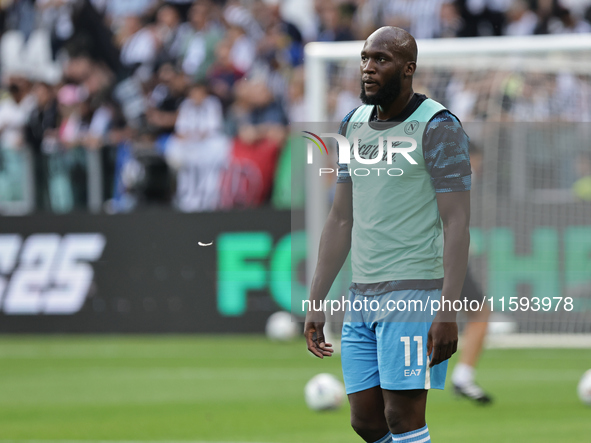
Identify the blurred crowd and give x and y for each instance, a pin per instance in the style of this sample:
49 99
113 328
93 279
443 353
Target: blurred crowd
188 102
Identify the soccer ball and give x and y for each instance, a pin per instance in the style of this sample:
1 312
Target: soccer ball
324 392
584 388
281 327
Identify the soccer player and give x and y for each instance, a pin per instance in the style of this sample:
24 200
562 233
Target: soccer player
474 334
394 224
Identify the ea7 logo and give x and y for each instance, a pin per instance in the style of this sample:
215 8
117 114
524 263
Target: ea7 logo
45 273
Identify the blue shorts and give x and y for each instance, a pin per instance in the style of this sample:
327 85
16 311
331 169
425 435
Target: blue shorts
385 342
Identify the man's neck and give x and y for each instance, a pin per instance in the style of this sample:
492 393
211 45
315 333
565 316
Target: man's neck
396 107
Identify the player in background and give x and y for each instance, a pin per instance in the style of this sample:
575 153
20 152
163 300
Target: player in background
474 334
473 337
395 227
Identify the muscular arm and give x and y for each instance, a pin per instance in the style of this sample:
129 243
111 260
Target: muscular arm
454 209
335 244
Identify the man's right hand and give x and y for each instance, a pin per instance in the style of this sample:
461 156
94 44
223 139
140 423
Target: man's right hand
314 333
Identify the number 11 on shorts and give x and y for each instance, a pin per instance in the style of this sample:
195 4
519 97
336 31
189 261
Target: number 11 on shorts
406 341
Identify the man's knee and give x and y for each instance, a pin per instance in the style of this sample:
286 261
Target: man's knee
369 428
394 419
400 422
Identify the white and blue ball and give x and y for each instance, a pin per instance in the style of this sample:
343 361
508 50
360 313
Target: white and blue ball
324 392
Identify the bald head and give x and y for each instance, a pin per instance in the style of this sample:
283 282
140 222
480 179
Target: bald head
388 63
396 40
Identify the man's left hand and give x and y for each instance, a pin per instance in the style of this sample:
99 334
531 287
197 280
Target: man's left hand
442 341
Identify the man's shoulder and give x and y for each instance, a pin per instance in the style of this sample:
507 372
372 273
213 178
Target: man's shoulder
438 110
431 108
347 119
444 116
350 114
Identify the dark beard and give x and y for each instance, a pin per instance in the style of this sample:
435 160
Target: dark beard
385 95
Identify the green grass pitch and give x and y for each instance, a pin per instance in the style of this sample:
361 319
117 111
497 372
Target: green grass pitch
246 389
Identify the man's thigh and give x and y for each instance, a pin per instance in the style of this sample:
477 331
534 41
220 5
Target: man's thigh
359 357
403 363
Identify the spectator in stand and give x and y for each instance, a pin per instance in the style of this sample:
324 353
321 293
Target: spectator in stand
79 27
281 36
85 119
223 74
165 100
198 150
40 135
195 45
15 108
166 29
266 113
14 111
67 162
242 48
138 47
336 22
95 81
483 17
55 16
99 117
44 118
450 19
282 40
521 20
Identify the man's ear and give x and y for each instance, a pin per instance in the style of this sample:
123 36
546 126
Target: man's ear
410 68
